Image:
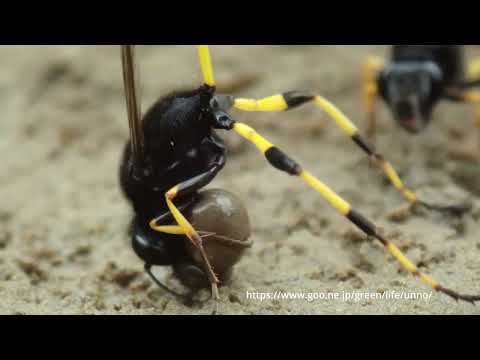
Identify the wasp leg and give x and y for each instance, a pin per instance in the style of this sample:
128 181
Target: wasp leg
294 99
148 270
185 227
168 229
473 70
372 66
473 96
467 96
282 162
206 65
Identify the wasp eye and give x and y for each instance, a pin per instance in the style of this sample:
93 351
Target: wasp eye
214 103
221 102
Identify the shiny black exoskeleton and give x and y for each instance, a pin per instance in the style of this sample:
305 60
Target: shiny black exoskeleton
179 143
417 78
180 146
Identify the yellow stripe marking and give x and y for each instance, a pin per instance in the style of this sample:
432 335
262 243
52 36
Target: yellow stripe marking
183 222
397 182
271 104
473 70
472 96
429 281
206 64
190 232
338 203
402 259
410 196
410 267
373 65
251 135
172 193
371 90
370 97
392 174
347 126
264 145
407 264
168 229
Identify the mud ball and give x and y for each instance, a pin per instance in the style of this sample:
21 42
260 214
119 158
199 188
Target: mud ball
219 217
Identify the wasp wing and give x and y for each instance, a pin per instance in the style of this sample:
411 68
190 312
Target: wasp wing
132 95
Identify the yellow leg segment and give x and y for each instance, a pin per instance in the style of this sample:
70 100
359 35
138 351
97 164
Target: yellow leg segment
175 230
264 146
187 229
168 229
281 161
270 104
336 201
342 121
372 66
352 131
471 96
473 70
206 65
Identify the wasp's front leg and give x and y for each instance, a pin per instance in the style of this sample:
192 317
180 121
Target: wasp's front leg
371 68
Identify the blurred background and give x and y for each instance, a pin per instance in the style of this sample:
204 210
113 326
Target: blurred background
63 219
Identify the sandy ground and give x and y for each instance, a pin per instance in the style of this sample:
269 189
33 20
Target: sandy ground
63 220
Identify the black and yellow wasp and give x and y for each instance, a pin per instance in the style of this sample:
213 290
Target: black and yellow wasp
174 151
415 79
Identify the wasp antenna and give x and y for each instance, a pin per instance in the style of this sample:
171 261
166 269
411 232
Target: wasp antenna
130 79
206 65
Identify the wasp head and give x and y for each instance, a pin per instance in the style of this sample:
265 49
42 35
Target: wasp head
219 105
411 89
